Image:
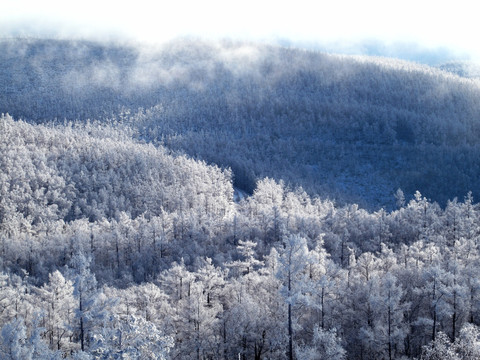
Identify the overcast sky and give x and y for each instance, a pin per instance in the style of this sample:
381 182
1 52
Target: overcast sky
451 25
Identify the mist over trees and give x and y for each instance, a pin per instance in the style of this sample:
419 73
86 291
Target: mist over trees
120 236
347 128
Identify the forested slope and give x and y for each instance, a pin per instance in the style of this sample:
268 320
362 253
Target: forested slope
120 237
113 248
352 129
93 173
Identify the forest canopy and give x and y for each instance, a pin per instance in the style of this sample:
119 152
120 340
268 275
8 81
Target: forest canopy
353 129
102 234
199 201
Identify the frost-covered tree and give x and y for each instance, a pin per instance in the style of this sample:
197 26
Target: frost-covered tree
325 345
16 345
58 305
293 273
130 337
88 313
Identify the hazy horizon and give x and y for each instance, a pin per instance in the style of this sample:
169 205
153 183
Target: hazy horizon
425 32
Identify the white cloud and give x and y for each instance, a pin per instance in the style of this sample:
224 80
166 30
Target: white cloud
439 23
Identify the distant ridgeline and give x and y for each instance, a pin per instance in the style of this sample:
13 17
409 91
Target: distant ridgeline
352 129
462 68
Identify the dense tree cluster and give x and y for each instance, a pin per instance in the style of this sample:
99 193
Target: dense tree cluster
114 248
351 129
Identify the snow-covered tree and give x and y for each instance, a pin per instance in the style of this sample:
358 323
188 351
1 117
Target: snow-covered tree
130 337
58 305
293 273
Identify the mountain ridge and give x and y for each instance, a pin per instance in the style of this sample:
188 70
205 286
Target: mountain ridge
350 128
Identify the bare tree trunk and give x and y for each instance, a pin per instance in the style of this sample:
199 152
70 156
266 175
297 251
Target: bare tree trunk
290 330
290 333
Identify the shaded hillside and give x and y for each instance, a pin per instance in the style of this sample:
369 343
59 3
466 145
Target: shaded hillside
351 129
104 238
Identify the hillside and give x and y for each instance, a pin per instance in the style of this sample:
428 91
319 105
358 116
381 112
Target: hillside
126 230
466 69
103 236
347 128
